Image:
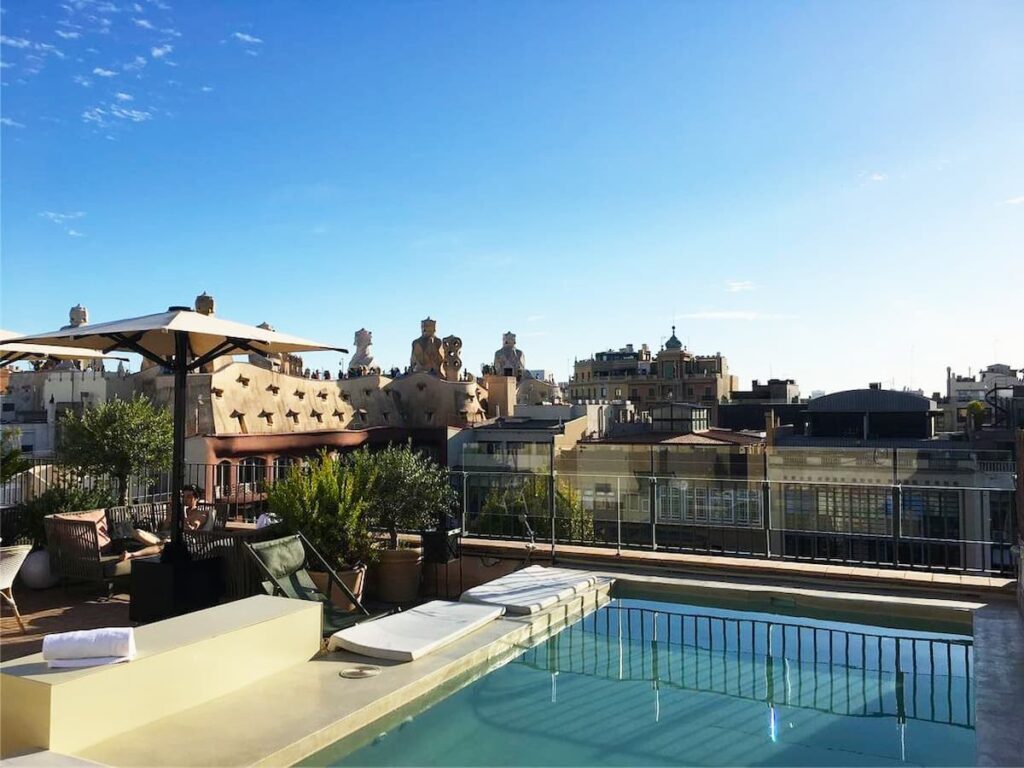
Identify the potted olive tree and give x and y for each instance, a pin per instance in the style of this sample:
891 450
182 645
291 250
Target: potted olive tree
327 501
411 494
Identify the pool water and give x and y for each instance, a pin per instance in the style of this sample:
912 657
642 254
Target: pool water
649 683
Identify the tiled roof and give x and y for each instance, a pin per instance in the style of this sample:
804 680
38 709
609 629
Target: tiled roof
708 437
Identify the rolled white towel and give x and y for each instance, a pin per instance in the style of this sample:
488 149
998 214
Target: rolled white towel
99 644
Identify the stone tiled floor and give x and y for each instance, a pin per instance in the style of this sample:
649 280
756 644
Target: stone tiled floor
999 684
57 610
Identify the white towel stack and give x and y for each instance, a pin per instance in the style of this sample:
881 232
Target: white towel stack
89 647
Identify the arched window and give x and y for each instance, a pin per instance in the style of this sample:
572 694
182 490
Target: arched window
252 471
222 479
281 466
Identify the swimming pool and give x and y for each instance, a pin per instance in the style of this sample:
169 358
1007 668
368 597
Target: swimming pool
639 682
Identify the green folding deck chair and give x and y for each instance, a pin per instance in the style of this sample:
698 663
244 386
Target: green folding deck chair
283 563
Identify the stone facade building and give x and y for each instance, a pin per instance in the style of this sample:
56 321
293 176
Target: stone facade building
674 374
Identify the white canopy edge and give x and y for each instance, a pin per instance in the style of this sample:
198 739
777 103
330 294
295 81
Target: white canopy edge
28 352
155 332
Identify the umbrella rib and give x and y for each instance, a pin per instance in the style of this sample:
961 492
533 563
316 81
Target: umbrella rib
230 343
132 342
12 357
217 351
246 346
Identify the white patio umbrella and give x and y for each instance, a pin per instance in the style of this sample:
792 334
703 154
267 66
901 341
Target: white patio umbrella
181 340
16 352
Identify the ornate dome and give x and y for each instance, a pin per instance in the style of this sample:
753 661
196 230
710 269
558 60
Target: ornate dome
673 342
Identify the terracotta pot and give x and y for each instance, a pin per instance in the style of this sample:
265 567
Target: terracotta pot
353 578
397 575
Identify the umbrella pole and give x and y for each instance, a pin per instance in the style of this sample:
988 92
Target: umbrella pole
176 549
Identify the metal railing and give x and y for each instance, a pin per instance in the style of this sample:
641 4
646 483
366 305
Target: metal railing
829 669
885 525
237 492
882 521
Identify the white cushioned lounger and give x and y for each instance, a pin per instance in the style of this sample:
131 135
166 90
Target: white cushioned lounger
414 633
531 590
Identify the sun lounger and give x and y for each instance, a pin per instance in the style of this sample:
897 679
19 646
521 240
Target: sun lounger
531 589
283 563
414 633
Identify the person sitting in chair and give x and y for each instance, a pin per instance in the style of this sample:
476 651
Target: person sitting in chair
195 518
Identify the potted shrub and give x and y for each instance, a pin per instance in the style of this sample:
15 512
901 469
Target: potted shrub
326 500
410 493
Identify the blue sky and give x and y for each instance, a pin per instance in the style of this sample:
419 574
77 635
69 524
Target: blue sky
828 191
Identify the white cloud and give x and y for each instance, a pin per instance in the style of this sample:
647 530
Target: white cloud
251 52
144 23
1014 200
5 64
877 176
207 89
60 218
11 123
124 96
733 314
101 72
247 38
161 51
135 115
736 286
47 48
68 35
16 42
137 63
83 81
534 318
95 115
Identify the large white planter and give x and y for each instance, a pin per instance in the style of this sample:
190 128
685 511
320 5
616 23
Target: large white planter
35 572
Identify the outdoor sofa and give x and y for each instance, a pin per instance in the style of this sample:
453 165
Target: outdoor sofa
87 545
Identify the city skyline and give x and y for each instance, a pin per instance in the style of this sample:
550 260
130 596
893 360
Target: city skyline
821 192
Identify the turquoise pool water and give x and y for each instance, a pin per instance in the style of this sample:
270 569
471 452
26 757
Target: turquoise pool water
648 683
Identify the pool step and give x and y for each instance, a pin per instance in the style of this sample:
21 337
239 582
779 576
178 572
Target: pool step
181 662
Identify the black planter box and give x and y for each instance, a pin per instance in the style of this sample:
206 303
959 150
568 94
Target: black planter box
442 546
160 590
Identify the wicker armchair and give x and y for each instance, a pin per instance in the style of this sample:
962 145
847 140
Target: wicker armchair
242 577
73 541
11 559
